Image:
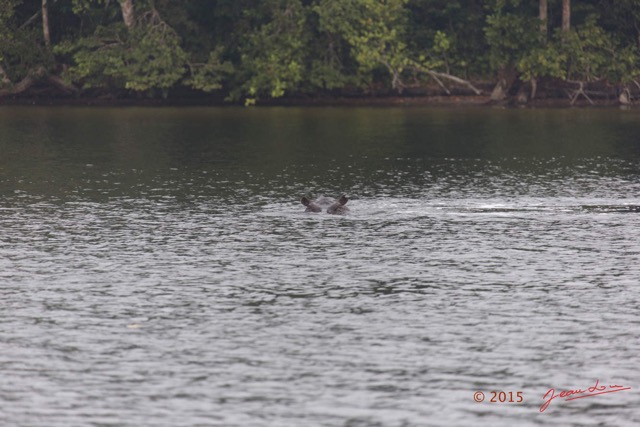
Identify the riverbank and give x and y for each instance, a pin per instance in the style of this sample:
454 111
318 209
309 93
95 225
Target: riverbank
324 101
421 101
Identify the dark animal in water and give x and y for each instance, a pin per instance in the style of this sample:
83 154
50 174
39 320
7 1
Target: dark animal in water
336 207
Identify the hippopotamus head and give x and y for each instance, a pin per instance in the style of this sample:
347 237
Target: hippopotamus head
336 207
311 205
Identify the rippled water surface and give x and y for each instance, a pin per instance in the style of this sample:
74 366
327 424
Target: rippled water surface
158 269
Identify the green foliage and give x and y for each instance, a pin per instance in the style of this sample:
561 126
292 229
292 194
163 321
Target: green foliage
373 30
329 73
6 15
210 75
442 47
593 54
6 27
511 34
84 6
460 22
154 58
546 61
625 67
145 58
585 53
273 57
21 49
26 52
621 19
254 50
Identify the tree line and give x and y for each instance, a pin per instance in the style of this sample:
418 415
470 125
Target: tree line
250 50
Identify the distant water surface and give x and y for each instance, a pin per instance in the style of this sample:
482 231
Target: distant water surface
158 269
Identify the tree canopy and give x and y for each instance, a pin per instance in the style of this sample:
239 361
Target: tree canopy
247 51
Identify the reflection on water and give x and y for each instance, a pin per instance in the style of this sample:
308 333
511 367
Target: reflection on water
157 267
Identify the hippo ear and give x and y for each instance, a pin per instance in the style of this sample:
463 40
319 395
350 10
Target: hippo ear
343 200
305 201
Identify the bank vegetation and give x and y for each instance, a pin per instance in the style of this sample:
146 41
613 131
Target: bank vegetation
248 51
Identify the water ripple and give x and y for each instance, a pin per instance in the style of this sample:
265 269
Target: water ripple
197 292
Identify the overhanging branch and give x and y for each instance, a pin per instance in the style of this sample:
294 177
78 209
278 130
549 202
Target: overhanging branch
438 77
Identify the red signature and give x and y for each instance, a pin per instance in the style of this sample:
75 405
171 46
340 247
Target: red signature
579 394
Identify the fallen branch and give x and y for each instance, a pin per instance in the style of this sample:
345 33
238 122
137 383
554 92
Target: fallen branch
396 81
34 76
438 77
30 20
64 86
33 18
25 83
435 77
578 92
455 79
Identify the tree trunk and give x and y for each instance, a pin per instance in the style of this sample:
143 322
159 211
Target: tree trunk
45 24
543 15
625 97
38 74
25 83
566 15
4 80
534 87
506 78
127 13
67 88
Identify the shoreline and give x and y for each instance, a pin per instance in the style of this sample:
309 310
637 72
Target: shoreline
448 101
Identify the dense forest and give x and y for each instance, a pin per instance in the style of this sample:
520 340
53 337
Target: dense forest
249 51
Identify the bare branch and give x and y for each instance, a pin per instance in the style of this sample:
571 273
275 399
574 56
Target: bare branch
25 83
458 80
435 77
63 85
30 20
578 92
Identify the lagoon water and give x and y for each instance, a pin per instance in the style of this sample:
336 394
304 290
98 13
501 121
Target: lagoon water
158 269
